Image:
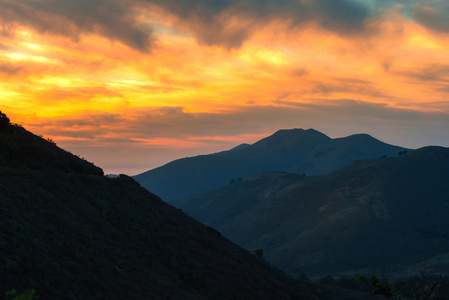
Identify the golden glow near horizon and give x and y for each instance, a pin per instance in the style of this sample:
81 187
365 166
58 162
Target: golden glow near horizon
75 82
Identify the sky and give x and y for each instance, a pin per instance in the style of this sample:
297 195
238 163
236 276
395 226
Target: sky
133 84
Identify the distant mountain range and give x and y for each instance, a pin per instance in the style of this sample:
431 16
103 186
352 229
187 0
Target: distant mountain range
390 212
297 151
70 233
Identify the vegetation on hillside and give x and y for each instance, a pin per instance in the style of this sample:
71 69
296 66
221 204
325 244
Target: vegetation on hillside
4 121
423 286
68 233
22 149
390 211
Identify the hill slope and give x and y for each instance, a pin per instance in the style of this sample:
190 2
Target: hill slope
382 212
21 149
297 151
70 233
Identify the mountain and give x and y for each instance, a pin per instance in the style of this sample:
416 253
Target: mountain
390 212
69 232
296 150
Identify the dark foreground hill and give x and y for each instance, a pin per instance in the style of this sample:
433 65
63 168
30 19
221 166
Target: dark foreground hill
296 151
70 233
387 212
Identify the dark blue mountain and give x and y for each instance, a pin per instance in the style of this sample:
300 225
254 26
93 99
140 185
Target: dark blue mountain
391 212
297 151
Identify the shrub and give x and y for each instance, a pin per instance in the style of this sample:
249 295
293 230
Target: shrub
4 120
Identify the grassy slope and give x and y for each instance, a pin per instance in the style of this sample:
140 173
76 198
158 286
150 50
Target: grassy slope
70 233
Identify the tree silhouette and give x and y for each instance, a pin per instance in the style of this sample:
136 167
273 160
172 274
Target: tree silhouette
4 120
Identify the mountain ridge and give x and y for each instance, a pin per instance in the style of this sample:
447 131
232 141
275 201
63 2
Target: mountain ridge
287 150
21 148
386 211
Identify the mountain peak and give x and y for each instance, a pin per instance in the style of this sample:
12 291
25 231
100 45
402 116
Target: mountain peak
240 147
300 151
291 130
362 136
298 131
292 138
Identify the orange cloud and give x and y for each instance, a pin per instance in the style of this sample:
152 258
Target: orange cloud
190 76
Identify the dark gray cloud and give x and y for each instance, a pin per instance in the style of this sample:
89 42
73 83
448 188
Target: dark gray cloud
109 18
204 9
350 109
9 70
342 15
434 77
430 73
349 85
299 72
444 88
208 20
211 21
435 17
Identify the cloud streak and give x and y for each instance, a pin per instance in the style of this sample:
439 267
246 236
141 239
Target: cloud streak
9 69
174 123
169 133
433 17
153 80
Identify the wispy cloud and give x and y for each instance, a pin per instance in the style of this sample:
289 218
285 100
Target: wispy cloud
9 69
105 77
434 15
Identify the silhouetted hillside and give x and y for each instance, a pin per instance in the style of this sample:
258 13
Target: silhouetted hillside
297 151
390 212
22 149
70 233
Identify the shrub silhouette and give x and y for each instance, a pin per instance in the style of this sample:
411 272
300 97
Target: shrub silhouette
4 120
378 286
27 295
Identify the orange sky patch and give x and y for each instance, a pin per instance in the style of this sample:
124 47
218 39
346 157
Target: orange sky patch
48 78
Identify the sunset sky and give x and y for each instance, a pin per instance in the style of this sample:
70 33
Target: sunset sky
134 84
